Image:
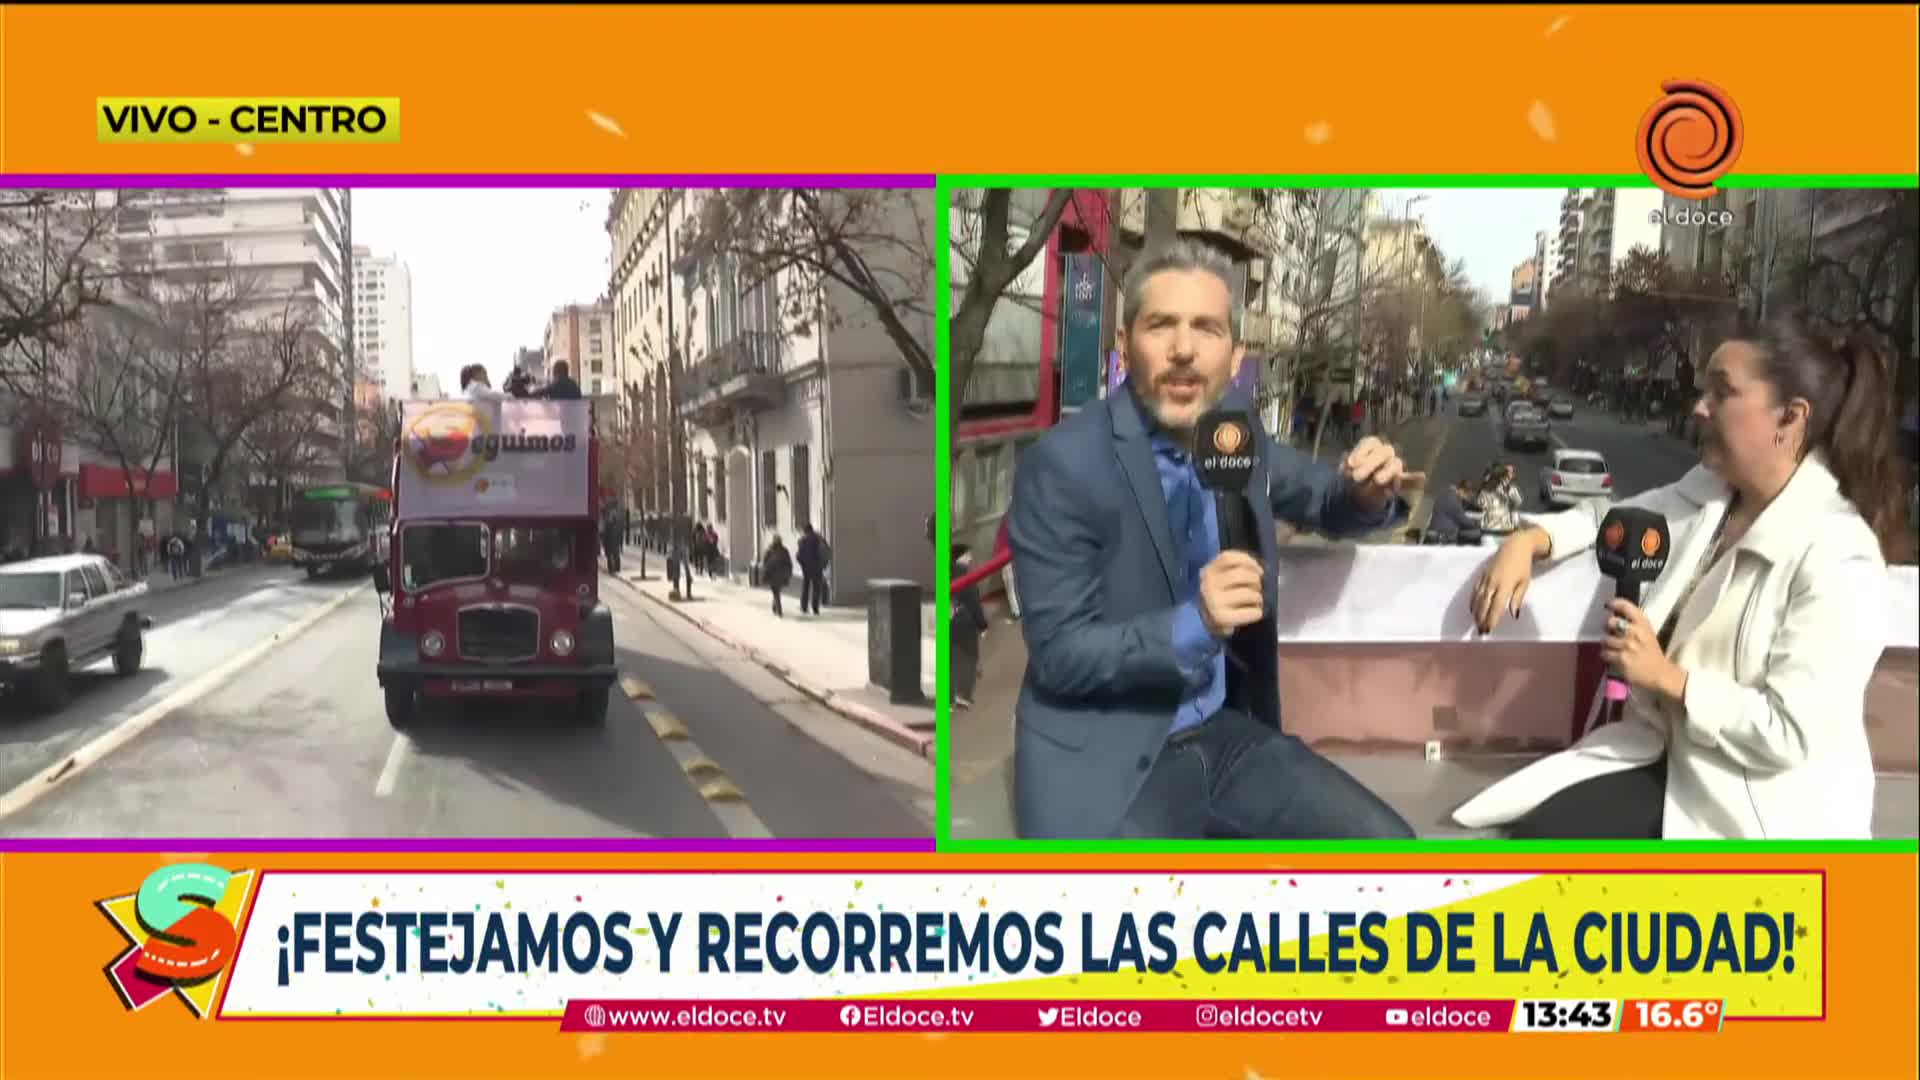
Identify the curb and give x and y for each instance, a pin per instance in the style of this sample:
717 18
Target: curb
871 719
28 791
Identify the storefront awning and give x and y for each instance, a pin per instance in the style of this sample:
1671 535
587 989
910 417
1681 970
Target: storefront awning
106 482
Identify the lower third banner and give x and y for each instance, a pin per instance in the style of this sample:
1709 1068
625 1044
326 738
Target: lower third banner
1349 949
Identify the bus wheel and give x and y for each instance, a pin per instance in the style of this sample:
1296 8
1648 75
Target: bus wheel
402 706
593 706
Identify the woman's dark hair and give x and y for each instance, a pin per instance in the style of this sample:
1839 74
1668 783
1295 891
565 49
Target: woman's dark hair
466 375
1843 376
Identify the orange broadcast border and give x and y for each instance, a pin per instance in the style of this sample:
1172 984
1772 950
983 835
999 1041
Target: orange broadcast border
60 1018
1517 90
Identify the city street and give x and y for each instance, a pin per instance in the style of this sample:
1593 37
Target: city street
700 741
1641 456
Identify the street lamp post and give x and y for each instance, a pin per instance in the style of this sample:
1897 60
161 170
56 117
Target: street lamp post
1406 238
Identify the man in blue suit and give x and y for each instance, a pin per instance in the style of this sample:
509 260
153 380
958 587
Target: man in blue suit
1151 703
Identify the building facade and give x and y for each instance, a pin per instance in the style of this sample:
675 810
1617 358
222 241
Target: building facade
383 321
795 424
287 248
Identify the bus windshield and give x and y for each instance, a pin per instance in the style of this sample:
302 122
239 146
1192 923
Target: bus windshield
531 556
316 521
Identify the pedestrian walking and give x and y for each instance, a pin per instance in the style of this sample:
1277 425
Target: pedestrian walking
776 569
613 537
965 627
716 564
176 557
813 555
684 550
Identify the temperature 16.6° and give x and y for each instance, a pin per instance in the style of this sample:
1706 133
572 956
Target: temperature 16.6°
1673 1014
1559 1014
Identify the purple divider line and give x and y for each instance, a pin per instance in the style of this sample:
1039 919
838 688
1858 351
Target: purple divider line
469 180
499 845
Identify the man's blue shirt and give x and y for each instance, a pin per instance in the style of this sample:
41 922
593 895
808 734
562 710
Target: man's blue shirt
1195 528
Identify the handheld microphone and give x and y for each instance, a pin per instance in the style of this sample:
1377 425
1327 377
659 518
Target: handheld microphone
1633 551
1225 456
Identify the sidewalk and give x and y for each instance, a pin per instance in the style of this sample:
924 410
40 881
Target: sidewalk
823 656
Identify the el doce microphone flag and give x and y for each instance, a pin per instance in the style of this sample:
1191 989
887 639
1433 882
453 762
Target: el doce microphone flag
1225 456
1633 552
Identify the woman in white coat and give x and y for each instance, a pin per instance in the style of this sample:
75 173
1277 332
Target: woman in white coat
1749 662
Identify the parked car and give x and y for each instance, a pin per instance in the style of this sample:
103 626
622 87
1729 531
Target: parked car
1560 408
1473 405
1526 427
1574 475
60 614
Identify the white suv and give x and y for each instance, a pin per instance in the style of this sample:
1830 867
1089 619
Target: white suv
62 613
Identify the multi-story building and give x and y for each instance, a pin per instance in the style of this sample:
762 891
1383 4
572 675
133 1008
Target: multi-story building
426 387
581 337
818 424
383 321
753 425
1546 245
287 249
650 293
1564 271
1524 288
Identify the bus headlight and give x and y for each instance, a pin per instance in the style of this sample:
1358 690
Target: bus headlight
433 644
562 643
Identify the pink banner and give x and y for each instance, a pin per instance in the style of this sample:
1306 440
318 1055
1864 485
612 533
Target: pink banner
1006 1016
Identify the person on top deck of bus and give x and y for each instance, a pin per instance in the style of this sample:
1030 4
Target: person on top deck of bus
474 384
561 387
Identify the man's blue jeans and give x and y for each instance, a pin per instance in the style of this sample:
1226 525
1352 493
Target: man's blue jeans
1234 778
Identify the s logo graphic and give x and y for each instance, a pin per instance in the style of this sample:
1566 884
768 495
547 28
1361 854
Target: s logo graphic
183 926
188 941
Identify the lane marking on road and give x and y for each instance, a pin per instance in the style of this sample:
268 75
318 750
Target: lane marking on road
724 798
634 688
26 793
396 760
666 726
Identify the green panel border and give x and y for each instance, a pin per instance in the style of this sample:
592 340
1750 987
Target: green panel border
947 183
945 842
942 515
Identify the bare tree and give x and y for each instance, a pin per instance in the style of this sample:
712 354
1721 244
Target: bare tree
51 266
121 391
1868 271
877 245
241 368
286 443
993 266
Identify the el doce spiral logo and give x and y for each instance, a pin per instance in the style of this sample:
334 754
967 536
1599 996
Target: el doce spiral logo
1690 138
1228 438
